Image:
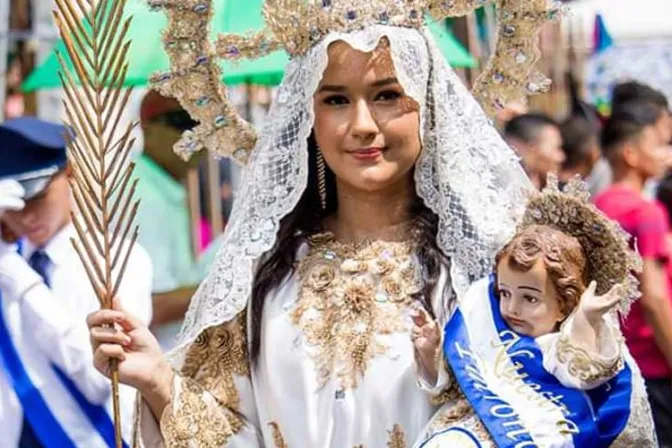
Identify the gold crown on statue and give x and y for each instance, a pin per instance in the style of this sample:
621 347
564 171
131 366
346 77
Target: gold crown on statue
606 245
297 25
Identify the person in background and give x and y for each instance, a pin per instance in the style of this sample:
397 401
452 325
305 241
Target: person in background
632 145
581 146
624 93
163 216
50 393
627 92
537 140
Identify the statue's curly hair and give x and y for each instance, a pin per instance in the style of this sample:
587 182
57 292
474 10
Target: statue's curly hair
561 254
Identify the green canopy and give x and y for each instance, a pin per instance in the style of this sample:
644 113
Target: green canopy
146 55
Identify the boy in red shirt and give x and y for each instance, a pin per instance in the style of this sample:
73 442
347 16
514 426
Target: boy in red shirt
633 147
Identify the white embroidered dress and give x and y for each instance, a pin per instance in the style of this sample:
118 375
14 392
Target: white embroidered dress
336 367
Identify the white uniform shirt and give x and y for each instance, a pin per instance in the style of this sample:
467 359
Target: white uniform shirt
48 326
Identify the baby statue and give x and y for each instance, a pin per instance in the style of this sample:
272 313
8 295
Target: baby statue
535 349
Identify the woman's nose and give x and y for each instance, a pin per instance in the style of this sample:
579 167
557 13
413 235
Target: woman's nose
364 123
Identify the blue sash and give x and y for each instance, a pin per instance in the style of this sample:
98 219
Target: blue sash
36 410
520 403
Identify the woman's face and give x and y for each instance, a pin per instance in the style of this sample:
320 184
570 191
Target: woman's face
365 126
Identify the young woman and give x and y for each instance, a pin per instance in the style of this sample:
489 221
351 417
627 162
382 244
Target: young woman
377 186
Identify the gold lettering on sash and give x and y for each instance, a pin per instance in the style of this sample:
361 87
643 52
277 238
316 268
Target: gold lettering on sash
568 427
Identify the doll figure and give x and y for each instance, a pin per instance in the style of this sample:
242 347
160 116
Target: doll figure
535 349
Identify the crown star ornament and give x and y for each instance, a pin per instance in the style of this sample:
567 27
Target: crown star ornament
610 259
297 25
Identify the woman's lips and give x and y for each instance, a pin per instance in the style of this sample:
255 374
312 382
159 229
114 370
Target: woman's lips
367 153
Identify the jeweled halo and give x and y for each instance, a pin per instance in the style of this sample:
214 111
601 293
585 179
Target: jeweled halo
605 244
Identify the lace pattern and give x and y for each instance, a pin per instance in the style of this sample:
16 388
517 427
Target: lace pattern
466 173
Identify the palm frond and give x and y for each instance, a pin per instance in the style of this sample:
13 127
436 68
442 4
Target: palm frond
95 37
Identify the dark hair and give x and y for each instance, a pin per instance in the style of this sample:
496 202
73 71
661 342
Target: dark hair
626 123
527 127
305 220
629 91
561 254
577 133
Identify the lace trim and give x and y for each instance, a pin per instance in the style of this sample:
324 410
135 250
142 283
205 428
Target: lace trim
639 430
582 365
350 295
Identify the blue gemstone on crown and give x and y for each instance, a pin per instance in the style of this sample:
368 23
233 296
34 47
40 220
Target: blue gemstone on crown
220 121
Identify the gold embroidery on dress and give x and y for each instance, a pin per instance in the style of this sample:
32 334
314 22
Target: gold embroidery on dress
581 365
350 295
194 419
397 439
457 411
278 440
211 363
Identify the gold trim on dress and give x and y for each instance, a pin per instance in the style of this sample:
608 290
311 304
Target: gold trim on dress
350 295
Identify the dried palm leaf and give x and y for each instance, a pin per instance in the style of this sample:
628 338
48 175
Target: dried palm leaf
101 181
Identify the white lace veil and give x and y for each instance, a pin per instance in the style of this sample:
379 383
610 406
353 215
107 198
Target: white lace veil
466 173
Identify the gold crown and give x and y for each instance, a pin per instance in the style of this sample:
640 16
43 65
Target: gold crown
297 25
606 245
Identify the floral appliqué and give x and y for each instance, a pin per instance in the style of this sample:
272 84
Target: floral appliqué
350 296
212 361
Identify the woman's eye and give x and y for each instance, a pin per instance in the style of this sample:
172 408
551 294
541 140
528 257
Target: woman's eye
335 100
531 299
388 95
504 294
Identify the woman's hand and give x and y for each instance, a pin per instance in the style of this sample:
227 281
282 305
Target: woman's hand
116 334
426 338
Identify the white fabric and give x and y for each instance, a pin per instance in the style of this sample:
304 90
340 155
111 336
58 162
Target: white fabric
466 173
11 195
49 326
608 352
285 389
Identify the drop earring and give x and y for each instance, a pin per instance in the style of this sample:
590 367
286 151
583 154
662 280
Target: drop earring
321 179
